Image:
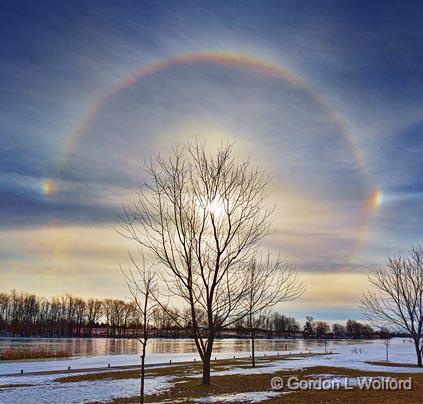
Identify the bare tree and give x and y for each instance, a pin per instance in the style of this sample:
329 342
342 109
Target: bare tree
94 312
284 324
269 282
309 328
143 287
397 296
322 329
338 330
202 217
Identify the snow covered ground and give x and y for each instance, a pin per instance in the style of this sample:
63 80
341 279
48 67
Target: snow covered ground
45 390
348 356
251 397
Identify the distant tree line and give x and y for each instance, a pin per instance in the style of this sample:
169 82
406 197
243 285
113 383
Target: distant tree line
278 324
352 329
26 314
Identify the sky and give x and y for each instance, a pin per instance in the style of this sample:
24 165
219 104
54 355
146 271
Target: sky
326 97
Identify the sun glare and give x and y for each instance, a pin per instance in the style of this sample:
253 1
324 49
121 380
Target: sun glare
216 207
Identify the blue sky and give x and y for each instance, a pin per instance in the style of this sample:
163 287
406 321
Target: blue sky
361 65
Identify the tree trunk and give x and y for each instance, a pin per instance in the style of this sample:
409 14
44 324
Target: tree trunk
206 369
418 353
142 374
253 350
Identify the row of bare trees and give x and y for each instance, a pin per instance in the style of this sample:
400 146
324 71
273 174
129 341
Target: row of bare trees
25 314
352 329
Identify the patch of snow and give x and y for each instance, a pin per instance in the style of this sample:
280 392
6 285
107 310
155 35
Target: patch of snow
92 362
45 390
348 355
250 397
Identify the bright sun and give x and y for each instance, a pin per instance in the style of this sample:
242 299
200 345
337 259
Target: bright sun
214 207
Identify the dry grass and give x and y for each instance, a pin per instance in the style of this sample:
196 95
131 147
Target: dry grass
18 354
189 390
10 386
177 370
393 364
192 389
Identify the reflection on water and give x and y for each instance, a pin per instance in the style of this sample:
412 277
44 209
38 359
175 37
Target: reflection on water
104 346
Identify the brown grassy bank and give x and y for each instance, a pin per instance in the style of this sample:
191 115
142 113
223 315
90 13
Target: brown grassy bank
20 354
392 364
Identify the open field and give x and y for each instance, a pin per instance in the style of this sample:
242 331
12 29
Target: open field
256 388
233 381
